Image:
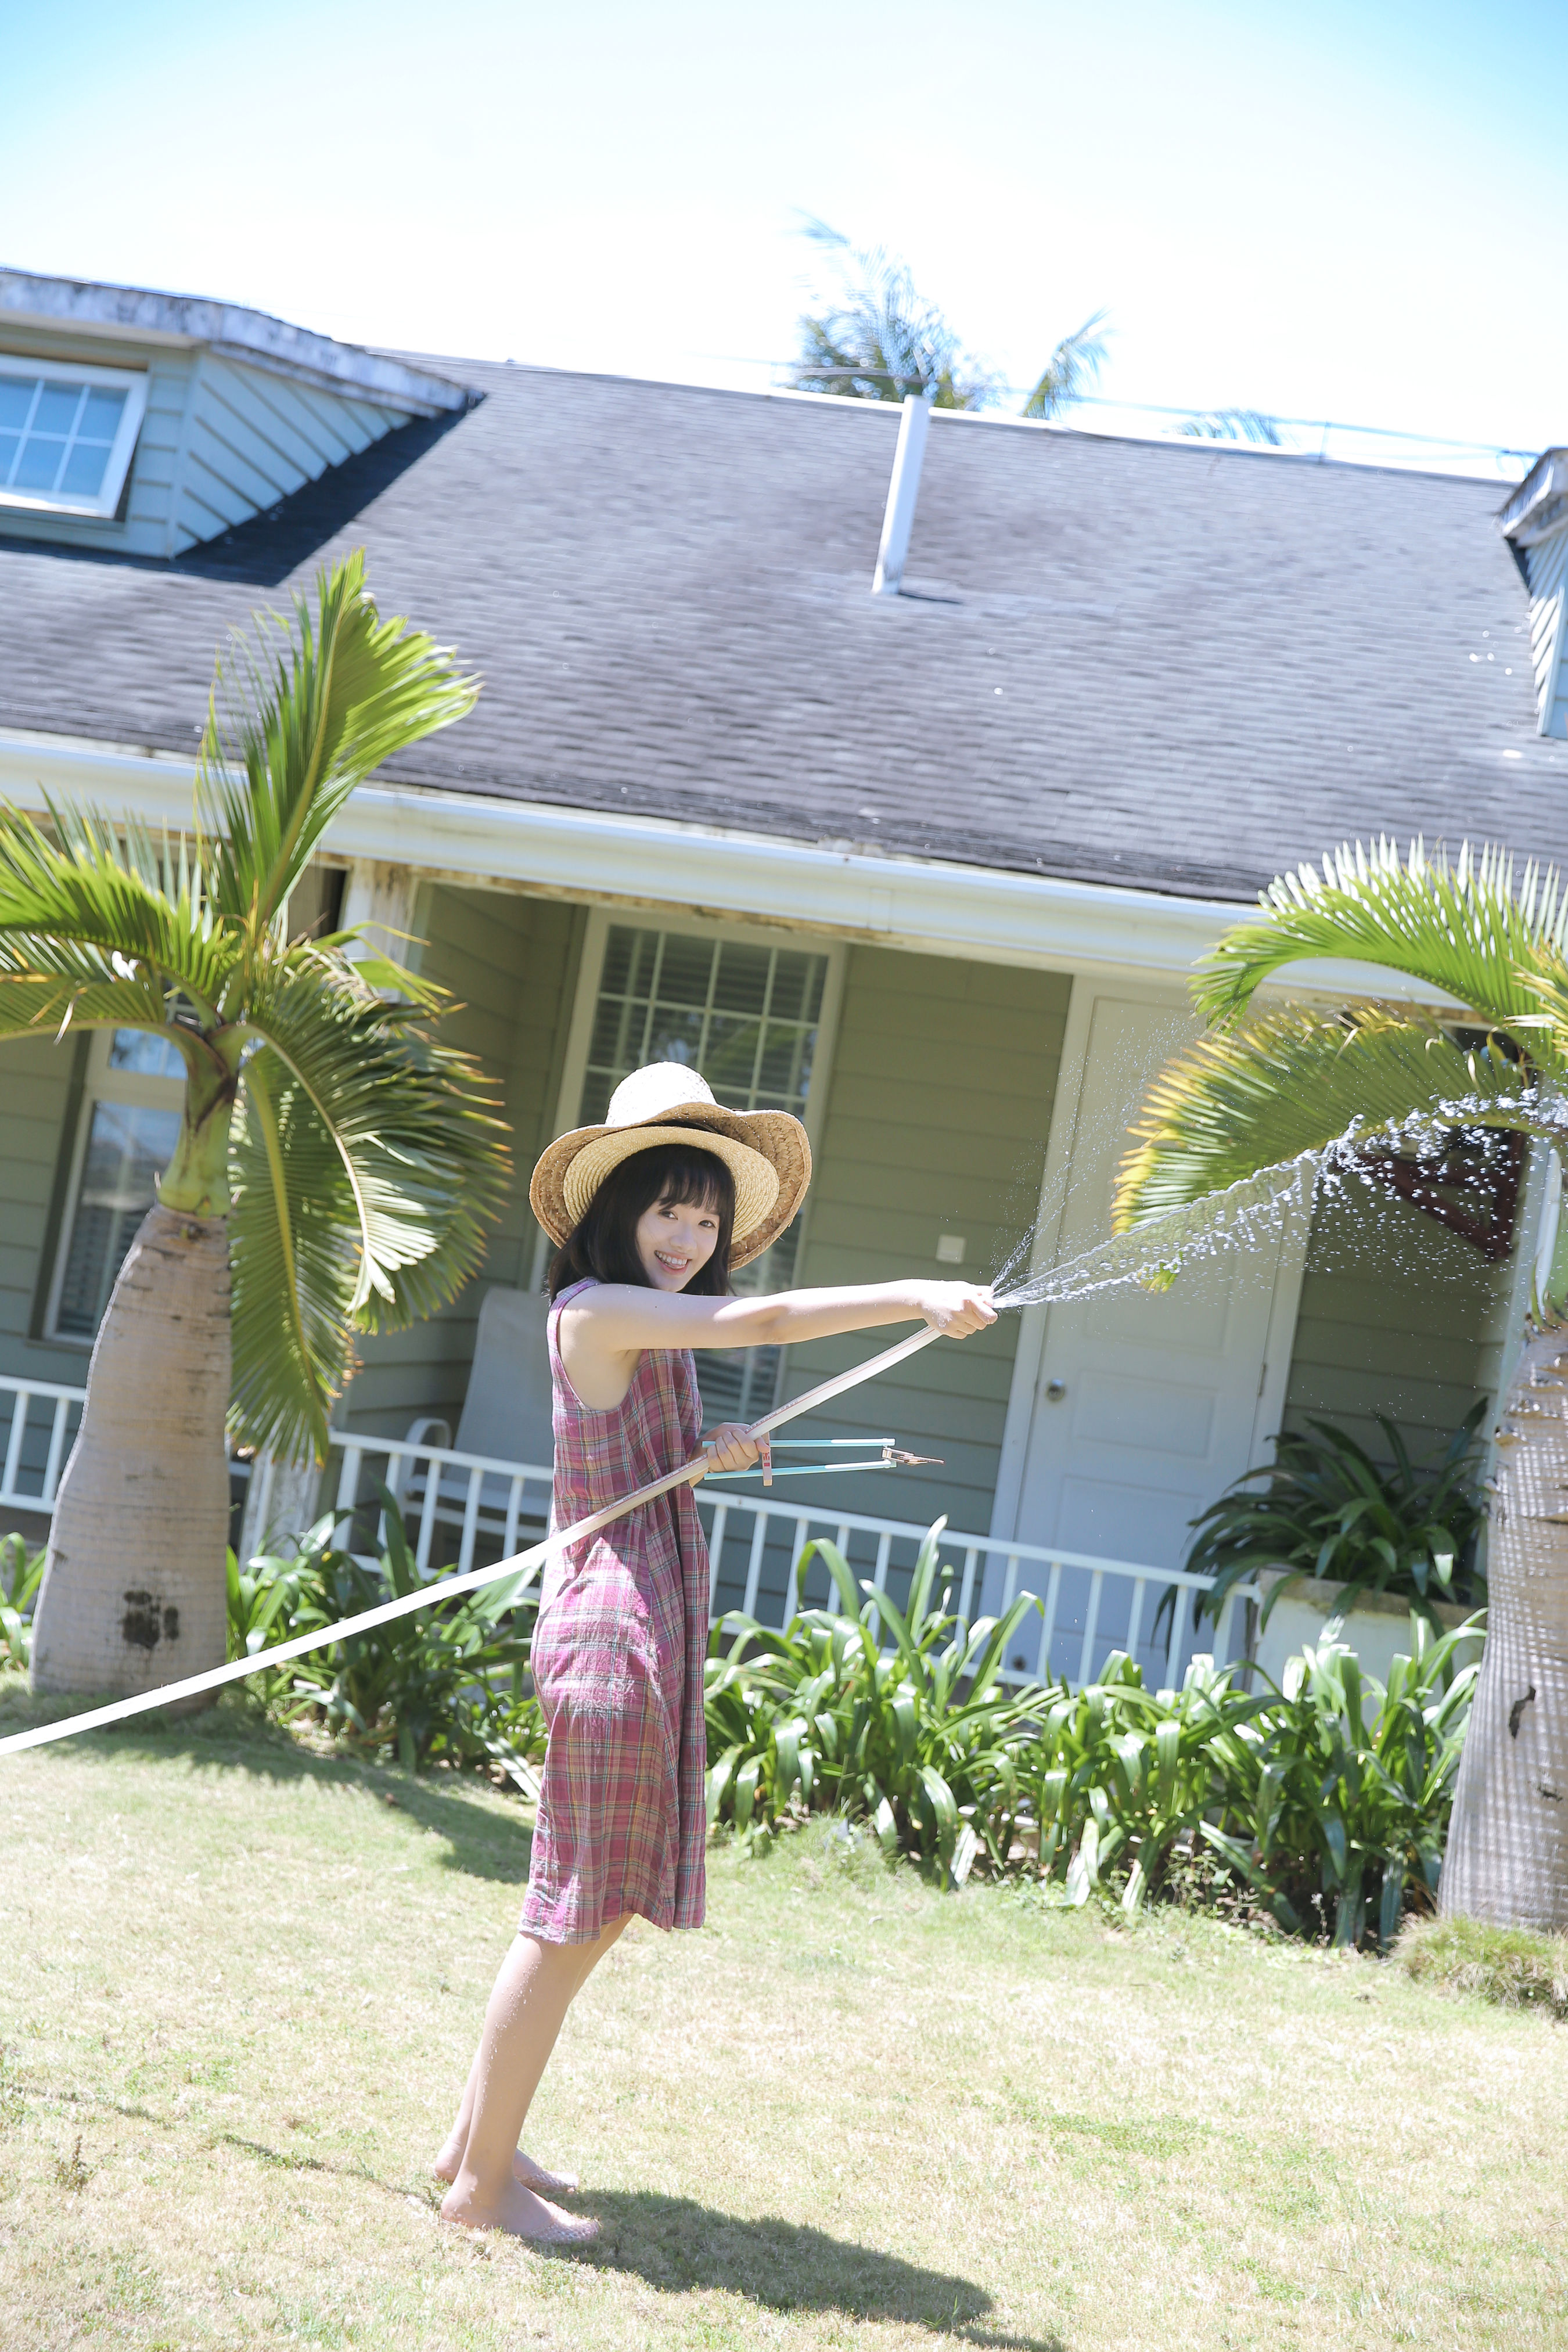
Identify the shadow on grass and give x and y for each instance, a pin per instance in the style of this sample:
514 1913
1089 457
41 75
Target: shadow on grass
676 2244
236 1737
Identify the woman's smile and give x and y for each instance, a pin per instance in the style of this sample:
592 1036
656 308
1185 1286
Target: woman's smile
674 1239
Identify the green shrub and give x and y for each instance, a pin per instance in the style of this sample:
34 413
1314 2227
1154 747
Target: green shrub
820 1715
1343 1803
447 1684
1326 1508
1326 1799
1507 1965
21 1573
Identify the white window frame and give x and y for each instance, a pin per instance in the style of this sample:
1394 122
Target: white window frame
102 1085
603 920
132 382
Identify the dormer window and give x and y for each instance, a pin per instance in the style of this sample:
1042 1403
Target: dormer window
67 433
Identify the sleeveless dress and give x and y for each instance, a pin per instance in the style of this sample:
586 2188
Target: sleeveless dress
617 1662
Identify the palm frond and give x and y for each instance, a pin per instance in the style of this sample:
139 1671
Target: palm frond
291 732
882 339
414 1124
1071 368
90 910
1293 1081
295 1262
1464 926
1233 424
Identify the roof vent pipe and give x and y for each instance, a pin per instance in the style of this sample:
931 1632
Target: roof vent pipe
902 491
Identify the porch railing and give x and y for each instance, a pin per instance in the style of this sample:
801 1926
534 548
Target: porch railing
37 1421
1090 1605
465 1509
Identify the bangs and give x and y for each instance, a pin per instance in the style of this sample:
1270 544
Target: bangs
694 1179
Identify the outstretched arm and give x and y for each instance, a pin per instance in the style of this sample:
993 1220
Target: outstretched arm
618 1319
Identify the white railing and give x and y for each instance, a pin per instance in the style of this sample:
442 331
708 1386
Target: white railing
987 1573
39 1423
1089 1606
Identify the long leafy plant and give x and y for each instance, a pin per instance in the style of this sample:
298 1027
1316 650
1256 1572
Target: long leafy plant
887 1714
447 1683
21 1573
1324 1507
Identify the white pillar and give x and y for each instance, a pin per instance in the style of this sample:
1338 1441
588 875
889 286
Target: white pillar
384 900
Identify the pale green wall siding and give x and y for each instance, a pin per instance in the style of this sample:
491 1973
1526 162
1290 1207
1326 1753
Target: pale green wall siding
937 1109
1398 1315
254 438
512 963
35 1089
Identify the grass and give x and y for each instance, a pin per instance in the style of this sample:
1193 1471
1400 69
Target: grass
239 1983
1509 1966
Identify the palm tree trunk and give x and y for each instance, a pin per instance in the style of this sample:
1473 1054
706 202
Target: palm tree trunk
133 1589
1507 1859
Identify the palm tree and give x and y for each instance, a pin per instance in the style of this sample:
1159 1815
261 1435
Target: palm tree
1267 1085
336 1165
882 339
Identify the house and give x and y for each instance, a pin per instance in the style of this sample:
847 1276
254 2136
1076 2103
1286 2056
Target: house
929 868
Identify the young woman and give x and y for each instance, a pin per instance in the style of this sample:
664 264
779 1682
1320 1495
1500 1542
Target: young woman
650 1212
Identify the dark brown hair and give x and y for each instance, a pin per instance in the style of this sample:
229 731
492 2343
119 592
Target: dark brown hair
603 1243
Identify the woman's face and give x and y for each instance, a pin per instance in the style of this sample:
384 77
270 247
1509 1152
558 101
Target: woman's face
675 1239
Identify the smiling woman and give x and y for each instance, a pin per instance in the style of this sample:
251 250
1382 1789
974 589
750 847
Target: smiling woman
650 1211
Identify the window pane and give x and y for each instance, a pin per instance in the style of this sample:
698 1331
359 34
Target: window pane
58 406
127 1149
83 476
686 969
100 420
9 444
37 464
676 1037
787 1059
742 984
144 1051
15 400
728 1060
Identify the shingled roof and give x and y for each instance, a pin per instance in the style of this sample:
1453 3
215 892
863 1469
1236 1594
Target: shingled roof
1176 666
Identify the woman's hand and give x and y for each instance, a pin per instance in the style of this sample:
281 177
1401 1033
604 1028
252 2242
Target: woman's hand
959 1309
732 1446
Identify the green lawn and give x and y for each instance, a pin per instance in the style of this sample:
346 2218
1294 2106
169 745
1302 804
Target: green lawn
248 1980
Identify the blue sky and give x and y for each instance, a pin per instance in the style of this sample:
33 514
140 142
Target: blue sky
1334 210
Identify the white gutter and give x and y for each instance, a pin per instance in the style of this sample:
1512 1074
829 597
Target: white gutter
983 914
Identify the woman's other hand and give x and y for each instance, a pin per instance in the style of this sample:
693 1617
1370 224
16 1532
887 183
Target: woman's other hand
957 1309
732 1446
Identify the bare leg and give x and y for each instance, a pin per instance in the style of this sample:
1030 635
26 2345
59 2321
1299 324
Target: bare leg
532 2175
527 2008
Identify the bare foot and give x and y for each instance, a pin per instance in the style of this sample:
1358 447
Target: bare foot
524 2168
521 2214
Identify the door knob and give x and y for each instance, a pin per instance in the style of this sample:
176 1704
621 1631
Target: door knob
1054 1391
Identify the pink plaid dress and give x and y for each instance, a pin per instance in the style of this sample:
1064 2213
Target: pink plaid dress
617 1663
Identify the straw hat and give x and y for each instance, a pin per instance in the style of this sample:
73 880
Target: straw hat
765 1151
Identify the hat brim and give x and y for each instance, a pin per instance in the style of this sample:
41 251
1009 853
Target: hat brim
766 1152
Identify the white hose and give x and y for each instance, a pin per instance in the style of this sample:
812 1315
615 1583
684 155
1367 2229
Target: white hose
526 1562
